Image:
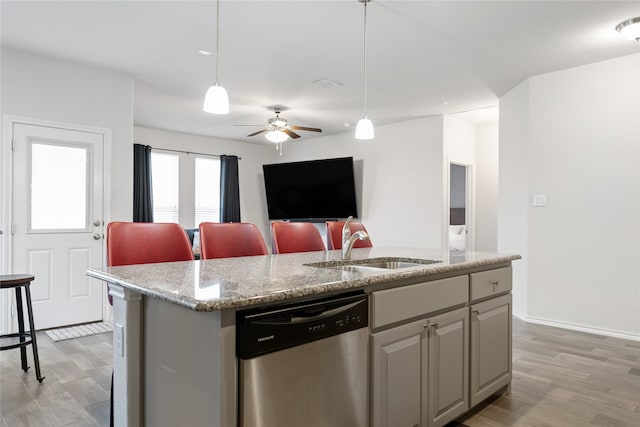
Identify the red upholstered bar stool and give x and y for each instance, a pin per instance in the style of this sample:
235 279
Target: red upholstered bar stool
334 235
17 282
290 237
226 240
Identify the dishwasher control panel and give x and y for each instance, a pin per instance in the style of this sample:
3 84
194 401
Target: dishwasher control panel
280 327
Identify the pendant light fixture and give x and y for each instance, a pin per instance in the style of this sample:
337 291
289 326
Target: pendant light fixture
216 101
364 128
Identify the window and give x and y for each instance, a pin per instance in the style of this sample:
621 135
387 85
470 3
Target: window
186 188
165 186
207 190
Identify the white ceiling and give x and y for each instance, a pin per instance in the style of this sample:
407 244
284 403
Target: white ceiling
424 57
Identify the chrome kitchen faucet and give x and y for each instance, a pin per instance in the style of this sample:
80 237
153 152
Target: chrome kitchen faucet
349 240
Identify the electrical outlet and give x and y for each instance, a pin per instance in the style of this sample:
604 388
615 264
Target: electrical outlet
118 339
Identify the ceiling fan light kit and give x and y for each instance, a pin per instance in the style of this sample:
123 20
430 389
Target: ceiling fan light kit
276 136
630 29
216 101
278 130
364 128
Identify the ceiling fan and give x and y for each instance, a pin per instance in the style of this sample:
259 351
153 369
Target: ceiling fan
277 128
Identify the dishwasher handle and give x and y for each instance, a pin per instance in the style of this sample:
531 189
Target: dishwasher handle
296 318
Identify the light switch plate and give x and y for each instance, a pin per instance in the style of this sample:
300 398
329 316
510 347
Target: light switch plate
539 200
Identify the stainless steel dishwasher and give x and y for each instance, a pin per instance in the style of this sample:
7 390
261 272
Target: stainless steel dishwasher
305 364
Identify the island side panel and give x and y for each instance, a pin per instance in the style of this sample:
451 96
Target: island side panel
127 317
189 367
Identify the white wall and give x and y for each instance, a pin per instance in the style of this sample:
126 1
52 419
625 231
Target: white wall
401 183
574 135
513 187
487 187
253 206
43 88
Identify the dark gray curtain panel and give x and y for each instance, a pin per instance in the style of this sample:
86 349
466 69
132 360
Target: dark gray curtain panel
142 190
229 189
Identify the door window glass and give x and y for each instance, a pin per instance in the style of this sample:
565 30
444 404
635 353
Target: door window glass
59 187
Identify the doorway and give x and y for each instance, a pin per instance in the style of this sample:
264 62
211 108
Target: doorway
459 207
57 219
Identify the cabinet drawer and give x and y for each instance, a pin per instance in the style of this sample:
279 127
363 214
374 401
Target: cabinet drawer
398 304
487 283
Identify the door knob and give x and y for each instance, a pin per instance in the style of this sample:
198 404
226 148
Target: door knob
97 236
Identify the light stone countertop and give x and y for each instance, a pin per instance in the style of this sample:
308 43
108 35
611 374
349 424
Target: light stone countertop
225 283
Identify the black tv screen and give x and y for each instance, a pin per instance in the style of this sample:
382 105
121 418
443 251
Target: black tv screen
311 190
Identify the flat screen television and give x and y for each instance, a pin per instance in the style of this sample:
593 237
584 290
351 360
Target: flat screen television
312 190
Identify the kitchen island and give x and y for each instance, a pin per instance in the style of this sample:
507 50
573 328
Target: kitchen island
175 328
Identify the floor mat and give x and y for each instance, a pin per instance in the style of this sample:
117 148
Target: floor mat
78 331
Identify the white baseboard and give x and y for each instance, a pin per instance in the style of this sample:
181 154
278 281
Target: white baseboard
579 328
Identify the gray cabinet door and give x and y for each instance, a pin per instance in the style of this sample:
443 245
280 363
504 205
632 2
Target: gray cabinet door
448 367
490 347
397 380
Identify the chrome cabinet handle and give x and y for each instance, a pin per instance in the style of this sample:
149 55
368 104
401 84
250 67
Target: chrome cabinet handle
429 327
495 285
97 223
97 236
434 326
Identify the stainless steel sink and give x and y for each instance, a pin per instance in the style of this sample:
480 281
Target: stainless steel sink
374 264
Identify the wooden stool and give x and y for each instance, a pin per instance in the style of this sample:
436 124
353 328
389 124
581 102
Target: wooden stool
19 281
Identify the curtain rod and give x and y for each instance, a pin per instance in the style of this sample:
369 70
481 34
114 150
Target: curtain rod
191 152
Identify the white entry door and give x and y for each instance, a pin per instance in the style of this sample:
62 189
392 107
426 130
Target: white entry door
58 221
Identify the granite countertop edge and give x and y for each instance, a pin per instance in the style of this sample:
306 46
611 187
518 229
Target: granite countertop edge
268 296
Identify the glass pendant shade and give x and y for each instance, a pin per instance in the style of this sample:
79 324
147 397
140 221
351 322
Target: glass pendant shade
276 136
630 29
216 101
364 129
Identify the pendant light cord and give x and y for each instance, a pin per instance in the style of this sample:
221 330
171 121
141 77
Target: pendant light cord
364 58
217 41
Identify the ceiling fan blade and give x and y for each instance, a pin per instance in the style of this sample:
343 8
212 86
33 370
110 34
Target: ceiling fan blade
291 133
257 133
305 128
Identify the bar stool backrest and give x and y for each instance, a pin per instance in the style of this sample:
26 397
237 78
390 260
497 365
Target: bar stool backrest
289 237
146 243
226 240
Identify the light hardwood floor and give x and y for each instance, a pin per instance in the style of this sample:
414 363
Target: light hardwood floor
75 391
564 378
560 379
